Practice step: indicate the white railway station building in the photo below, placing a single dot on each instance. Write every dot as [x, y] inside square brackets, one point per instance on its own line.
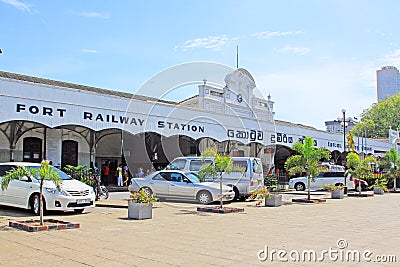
[72, 124]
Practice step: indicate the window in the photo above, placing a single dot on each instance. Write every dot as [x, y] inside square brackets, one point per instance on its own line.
[176, 177]
[178, 164]
[195, 165]
[257, 166]
[331, 174]
[161, 177]
[240, 163]
[32, 147]
[69, 154]
[4, 169]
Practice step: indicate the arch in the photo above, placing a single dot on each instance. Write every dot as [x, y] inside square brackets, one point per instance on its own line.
[282, 153]
[336, 156]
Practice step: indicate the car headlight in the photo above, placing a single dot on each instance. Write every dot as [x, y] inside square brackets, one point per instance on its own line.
[55, 191]
[91, 190]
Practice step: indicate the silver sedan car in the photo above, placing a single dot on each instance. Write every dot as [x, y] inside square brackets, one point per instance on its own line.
[181, 185]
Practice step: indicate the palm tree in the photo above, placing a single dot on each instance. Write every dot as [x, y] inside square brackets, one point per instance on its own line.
[393, 157]
[44, 172]
[307, 160]
[222, 164]
[359, 168]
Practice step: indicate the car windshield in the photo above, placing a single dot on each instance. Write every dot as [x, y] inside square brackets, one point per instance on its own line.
[192, 177]
[62, 174]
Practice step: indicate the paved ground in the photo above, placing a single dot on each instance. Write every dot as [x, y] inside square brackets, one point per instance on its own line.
[179, 236]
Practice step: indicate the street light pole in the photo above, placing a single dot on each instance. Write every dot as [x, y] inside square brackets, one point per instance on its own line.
[344, 145]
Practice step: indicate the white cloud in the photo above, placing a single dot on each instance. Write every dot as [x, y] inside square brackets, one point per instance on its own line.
[217, 42]
[317, 94]
[271, 34]
[295, 50]
[17, 4]
[88, 51]
[392, 58]
[95, 15]
[211, 42]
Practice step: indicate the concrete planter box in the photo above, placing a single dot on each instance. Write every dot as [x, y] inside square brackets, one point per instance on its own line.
[274, 200]
[338, 194]
[378, 190]
[139, 211]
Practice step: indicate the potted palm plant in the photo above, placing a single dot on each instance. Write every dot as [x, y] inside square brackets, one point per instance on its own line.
[380, 185]
[274, 199]
[140, 205]
[359, 168]
[337, 191]
[393, 157]
[307, 162]
[222, 164]
[263, 195]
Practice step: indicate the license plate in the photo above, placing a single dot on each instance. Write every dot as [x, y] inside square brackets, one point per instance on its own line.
[83, 201]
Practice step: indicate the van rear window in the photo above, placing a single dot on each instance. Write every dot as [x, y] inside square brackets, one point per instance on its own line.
[178, 164]
[240, 163]
[196, 164]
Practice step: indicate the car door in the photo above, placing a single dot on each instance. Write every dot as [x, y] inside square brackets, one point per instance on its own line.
[3, 170]
[17, 191]
[160, 184]
[318, 182]
[180, 186]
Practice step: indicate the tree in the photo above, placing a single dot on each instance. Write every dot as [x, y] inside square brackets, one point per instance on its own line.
[222, 164]
[44, 172]
[377, 120]
[393, 157]
[360, 168]
[307, 160]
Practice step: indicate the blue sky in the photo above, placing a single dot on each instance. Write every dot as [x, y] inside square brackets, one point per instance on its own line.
[314, 57]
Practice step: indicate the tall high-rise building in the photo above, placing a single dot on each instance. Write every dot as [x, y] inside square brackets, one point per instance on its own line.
[387, 82]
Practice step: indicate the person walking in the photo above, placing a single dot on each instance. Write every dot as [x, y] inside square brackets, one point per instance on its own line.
[119, 172]
[126, 174]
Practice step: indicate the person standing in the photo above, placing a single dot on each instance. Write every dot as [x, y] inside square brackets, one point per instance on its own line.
[119, 172]
[140, 173]
[126, 174]
[106, 173]
[96, 173]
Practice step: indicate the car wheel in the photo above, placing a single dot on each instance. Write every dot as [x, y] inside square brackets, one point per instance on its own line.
[299, 187]
[147, 191]
[78, 211]
[35, 204]
[204, 197]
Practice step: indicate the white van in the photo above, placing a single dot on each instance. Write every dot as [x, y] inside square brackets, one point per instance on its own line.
[243, 184]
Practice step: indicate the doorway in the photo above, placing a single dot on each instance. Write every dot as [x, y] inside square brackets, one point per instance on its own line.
[69, 153]
[32, 149]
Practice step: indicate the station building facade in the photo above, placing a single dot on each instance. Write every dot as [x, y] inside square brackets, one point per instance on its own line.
[72, 124]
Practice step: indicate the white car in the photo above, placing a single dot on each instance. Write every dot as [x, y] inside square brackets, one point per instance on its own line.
[181, 185]
[24, 193]
[324, 178]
